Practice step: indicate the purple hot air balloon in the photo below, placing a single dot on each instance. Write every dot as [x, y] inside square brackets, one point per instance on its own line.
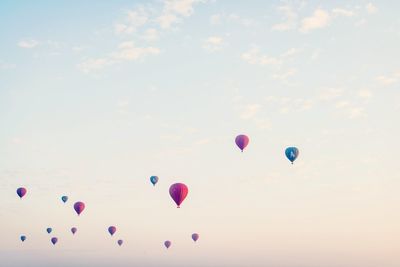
[79, 207]
[178, 192]
[21, 192]
[195, 237]
[112, 230]
[167, 244]
[54, 240]
[73, 230]
[120, 242]
[242, 141]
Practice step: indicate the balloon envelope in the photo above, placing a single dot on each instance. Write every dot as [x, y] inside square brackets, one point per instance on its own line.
[178, 192]
[21, 192]
[79, 207]
[64, 199]
[73, 230]
[112, 230]
[120, 242]
[54, 240]
[48, 230]
[154, 180]
[195, 237]
[292, 153]
[167, 244]
[23, 238]
[242, 141]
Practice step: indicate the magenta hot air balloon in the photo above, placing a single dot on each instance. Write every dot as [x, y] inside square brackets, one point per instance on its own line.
[79, 207]
[178, 192]
[73, 230]
[54, 240]
[112, 230]
[195, 237]
[167, 244]
[21, 192]
[242, 141]
[120, 242]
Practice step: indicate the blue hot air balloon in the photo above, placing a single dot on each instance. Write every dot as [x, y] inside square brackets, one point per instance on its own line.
[154, 180]
[23, 238]
[64, 198]
[49, 230]
[292, 153]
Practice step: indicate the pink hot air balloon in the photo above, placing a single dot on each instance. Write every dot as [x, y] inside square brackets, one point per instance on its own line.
[79, 207]
[21, 192]
[73, 230]
[112, 230]
[167, 244]
[54, 240]
[120, 242]
[242, 141]
[178, 193]
[195, 237]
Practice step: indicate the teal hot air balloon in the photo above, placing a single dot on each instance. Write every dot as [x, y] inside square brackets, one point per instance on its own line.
[154, 180]
[292, 153]
[64, 199]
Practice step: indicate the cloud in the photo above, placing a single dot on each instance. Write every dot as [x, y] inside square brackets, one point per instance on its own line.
[166, 20]
[134, 20]
[127, 51]
[213, 43]
[173, 10]
[320, 19]
[254, 56]
[151, 34]
[28, 43]
[389, 79]
[371, 8]
[365, 94]
[231, 18]
[330, 93]
[290, 19]
[342, 12]
[250, 111]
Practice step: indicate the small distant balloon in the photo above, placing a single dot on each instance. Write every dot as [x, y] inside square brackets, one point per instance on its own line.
[73, 230]
[64, 198]
[195, 237]
[242, 141]
[178, 192]
[292, 153]
[167, 244]
[23, 238]
[21, 192]
[154, 180]
[120, 242]
[49, 230]
[54, 240]
[112, 230]
[79, 207]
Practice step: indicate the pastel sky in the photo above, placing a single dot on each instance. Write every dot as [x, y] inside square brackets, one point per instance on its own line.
[97, 96]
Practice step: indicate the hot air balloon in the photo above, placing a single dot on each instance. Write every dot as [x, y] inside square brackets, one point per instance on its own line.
[73, 230]
[242, 141]
[167, 244]
[292, 153]
[154, 180]
[64, 198]
[195, 237]
[21, 192]
[120, 242]
[112, 230]
[23, 238]
[79, 207]
[54, 240]
[178, 192]
[49, 230]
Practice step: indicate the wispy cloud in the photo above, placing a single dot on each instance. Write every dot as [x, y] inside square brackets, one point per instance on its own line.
[289, 19]
[231, 18]
[318, 20]
[371, 8]
[250, 111]
[254, 56]
[213, 43]
[31, 43]
[389, 79]
[342, 12]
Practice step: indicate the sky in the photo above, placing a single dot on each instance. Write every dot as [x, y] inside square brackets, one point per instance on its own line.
[97, 96]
